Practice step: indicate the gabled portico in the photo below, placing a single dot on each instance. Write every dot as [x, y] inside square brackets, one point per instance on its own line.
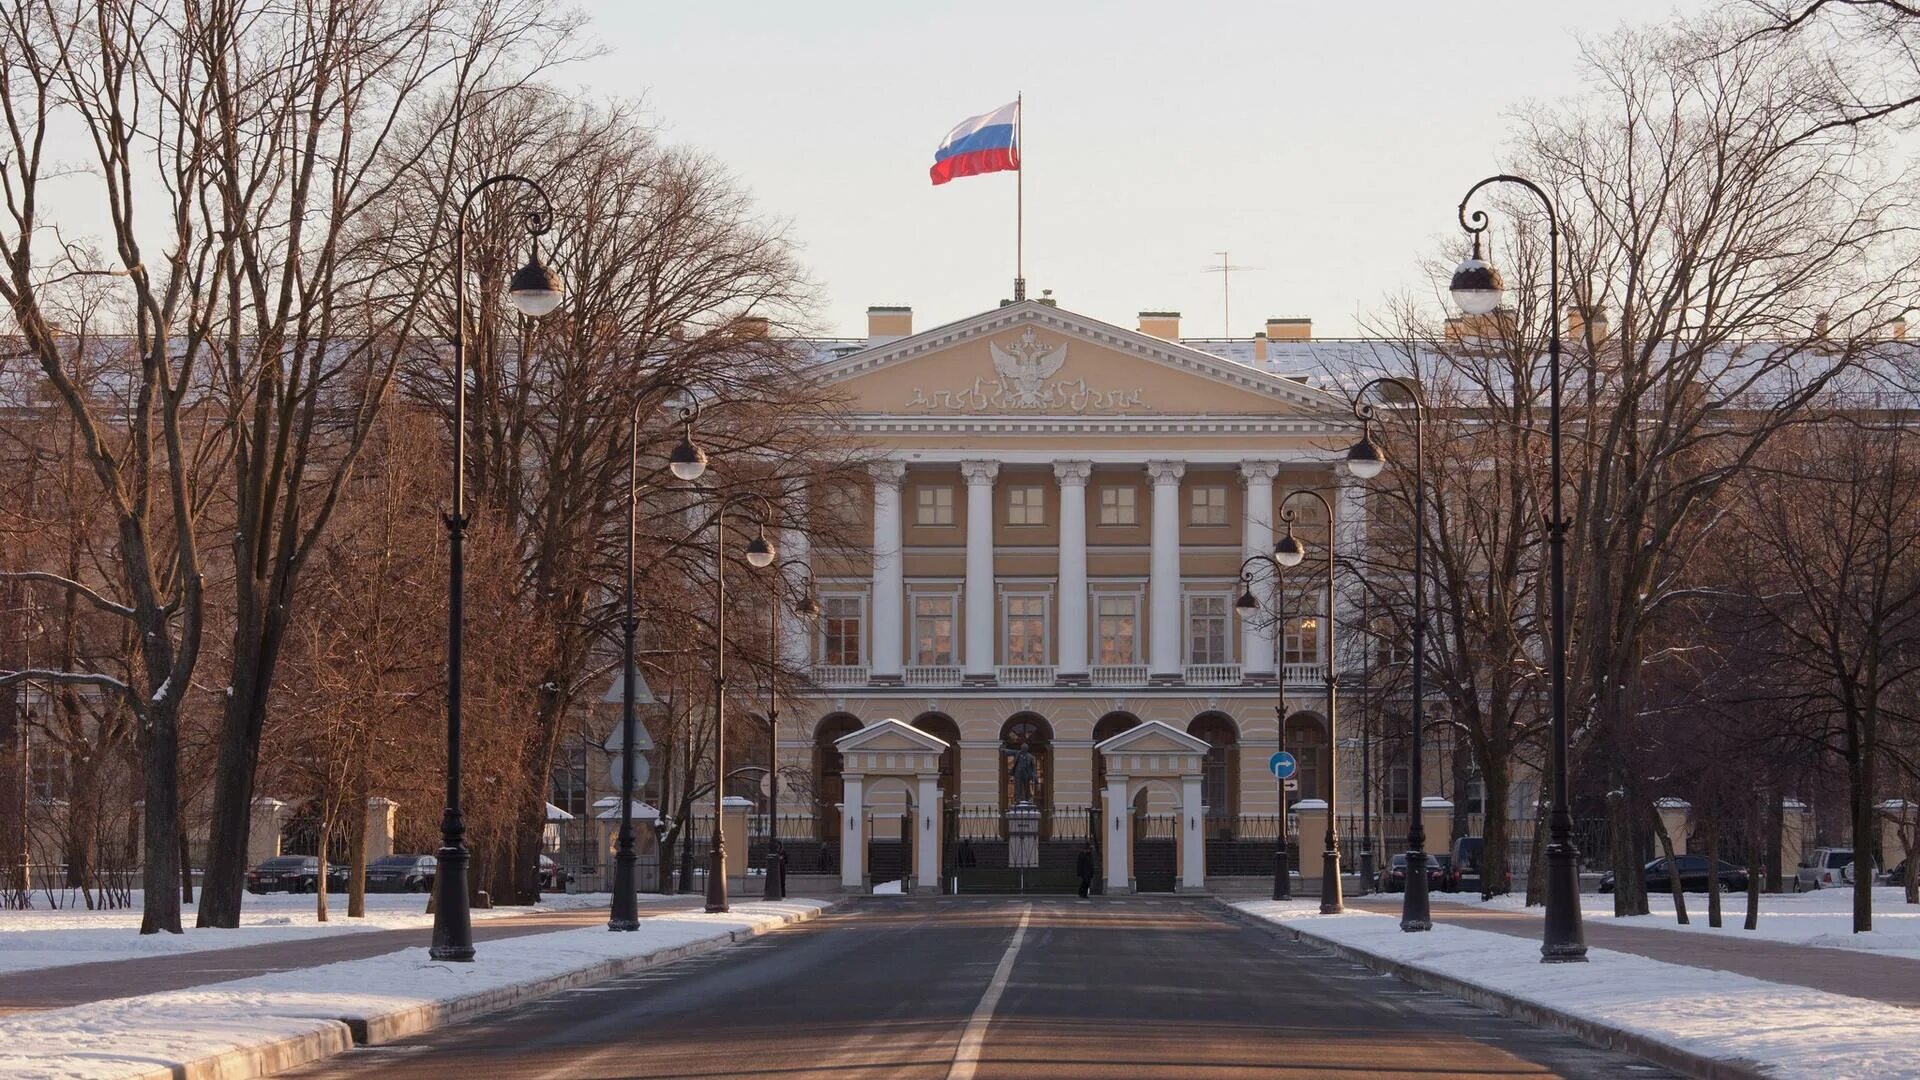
[882, 752]
[1153, 753]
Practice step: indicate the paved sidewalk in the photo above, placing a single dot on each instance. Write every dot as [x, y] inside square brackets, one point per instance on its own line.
[1891, 980]
[80, 984]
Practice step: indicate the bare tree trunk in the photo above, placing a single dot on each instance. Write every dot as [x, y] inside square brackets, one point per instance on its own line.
[1496, 875]
[1860, 794]
[320, 886]
[1713, 870]
[1775, 838]
[1673, 871]
[160, 765]
[186, 868]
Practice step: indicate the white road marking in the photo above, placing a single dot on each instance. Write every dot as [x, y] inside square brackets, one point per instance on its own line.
[967, 1058]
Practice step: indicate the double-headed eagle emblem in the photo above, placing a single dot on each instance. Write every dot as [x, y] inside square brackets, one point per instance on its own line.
[1025, 368]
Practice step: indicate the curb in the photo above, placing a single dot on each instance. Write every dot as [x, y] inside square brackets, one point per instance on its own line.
[338, 1034]
[1589, 1031]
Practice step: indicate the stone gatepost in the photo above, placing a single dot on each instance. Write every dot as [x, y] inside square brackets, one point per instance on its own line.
[380, 814]
[1796, 829]
[1436, 817]
[1677, 816]
[1895, 815]
[1310, 816]
[263, 830]
[734, 811]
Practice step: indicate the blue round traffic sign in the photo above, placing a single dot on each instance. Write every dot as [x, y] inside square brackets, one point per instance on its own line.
[1282, 766]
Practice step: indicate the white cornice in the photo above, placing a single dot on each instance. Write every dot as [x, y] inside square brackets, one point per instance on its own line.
[1030, 312]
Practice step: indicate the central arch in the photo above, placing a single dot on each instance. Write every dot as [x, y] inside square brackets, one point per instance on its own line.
[1033, 730]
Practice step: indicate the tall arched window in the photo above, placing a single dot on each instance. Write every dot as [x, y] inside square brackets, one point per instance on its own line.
[1110, 725]
[1036, 734]
[828, 787]
[1217, 787]
[942, 727]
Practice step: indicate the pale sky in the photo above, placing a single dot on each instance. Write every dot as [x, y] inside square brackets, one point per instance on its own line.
[1325, 144]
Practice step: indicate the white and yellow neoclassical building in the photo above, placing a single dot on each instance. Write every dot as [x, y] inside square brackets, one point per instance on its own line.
[1059, 511]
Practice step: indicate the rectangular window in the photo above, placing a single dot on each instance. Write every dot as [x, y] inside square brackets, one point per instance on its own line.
[933, 506]
[1390, 648]
[840, 631]
[570, 780]
[1026, 506]
[1208, 506]
[1116, 617]
[51, 770]
[1207, 630]
[1476, 793]
[1117, 506]
[846, 504]
[1303, 632]
[933, 631]
[1398, 788]
[1026, 621]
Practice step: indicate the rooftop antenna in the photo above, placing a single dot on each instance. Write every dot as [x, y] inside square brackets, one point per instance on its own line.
[1226, 270]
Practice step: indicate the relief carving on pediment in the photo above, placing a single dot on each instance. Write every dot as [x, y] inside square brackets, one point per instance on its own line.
[1026, 376]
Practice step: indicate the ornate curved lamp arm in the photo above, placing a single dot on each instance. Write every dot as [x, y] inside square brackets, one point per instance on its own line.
[1476, 222]
[538, 218]
[1363, 410]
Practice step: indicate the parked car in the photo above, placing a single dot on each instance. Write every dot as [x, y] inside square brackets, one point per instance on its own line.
[402, 873]
[294, 874]
[1693, 876]
[1823, 869]
[553, 876]
[1394, 877]
[1897, 875]
[1464, 865]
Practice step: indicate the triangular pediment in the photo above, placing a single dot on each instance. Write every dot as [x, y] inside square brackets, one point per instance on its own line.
[890, 735]
[1153, 737]
[1033, 359]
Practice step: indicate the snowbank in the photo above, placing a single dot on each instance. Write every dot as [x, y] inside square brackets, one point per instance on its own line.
[1738, 1022]
[252, 1027]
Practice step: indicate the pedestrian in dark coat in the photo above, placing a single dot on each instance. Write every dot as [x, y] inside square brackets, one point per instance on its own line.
[1085, 866]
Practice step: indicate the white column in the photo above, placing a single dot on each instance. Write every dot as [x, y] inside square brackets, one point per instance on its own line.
[1256, 633]
[1119, 845]
[889, 572]
[1163, 580]
[1071, 654]
[1193, 849]
[978, 658]
[796, 633]
[853, 837]
[926, 850]
[1349, 531]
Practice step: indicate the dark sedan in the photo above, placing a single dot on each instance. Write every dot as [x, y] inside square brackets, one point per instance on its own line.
[402, 873]
[295, 874]
[1693, 876]
[1394, 877]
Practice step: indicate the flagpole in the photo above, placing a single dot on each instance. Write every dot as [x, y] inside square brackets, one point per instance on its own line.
[1019, 198]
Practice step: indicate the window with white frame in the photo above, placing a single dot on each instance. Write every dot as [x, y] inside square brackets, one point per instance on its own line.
[933, 506]
[1026, 505]
[933, 630]
[845, 504]
[841, 630]
[1207, 505]
[1391, 649]
[1476, 790]
[1207, 622]
[51, 770]
[1399, 787]
[1116, 622]
[1117, 506]
[1026, 628]
[1302, 638]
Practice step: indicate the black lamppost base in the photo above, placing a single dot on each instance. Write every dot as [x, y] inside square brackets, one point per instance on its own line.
[776, 871]
[1282, 875]
[717, 874]
[1563, 941]
[1367, 870]
[1415, 913]
[1330, 901]
[452, 917]
[626, 906]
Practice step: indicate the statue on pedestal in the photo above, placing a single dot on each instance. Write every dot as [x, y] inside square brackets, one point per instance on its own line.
[1024, 772]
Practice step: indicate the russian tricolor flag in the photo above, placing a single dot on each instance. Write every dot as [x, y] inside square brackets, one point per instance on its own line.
[980, 144]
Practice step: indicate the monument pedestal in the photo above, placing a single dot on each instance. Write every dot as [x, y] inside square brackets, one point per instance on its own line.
[1023, 837]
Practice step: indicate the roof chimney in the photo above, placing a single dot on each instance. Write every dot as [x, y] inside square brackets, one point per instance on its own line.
[1289, 329]
[1260, 347]
[1164, 325]
[1900, 328]
[886, 324]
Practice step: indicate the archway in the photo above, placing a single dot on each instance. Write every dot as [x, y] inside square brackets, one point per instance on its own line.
[942, 727]
[1106, 728]
[881, 754]
[1219, 772]
[1142, 758]
[1307, 742]
[828, 765]
[1032, 730]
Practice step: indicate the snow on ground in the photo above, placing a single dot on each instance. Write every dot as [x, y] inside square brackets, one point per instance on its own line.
[1822, 918]
[135, 1036]
[1791, 1031]
[43, 938]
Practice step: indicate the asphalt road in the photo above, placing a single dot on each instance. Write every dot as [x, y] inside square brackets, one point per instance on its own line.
[990, 989]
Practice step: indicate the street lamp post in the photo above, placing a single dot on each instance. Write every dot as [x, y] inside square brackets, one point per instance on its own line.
[760, 554]
[534, 291]
[1289, 551]
[807, 608]
[1365, 462]
[1247, 605]
[625, 914]
[1476, 287]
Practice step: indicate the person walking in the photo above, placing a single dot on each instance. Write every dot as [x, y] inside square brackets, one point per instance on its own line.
[1085, 866]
